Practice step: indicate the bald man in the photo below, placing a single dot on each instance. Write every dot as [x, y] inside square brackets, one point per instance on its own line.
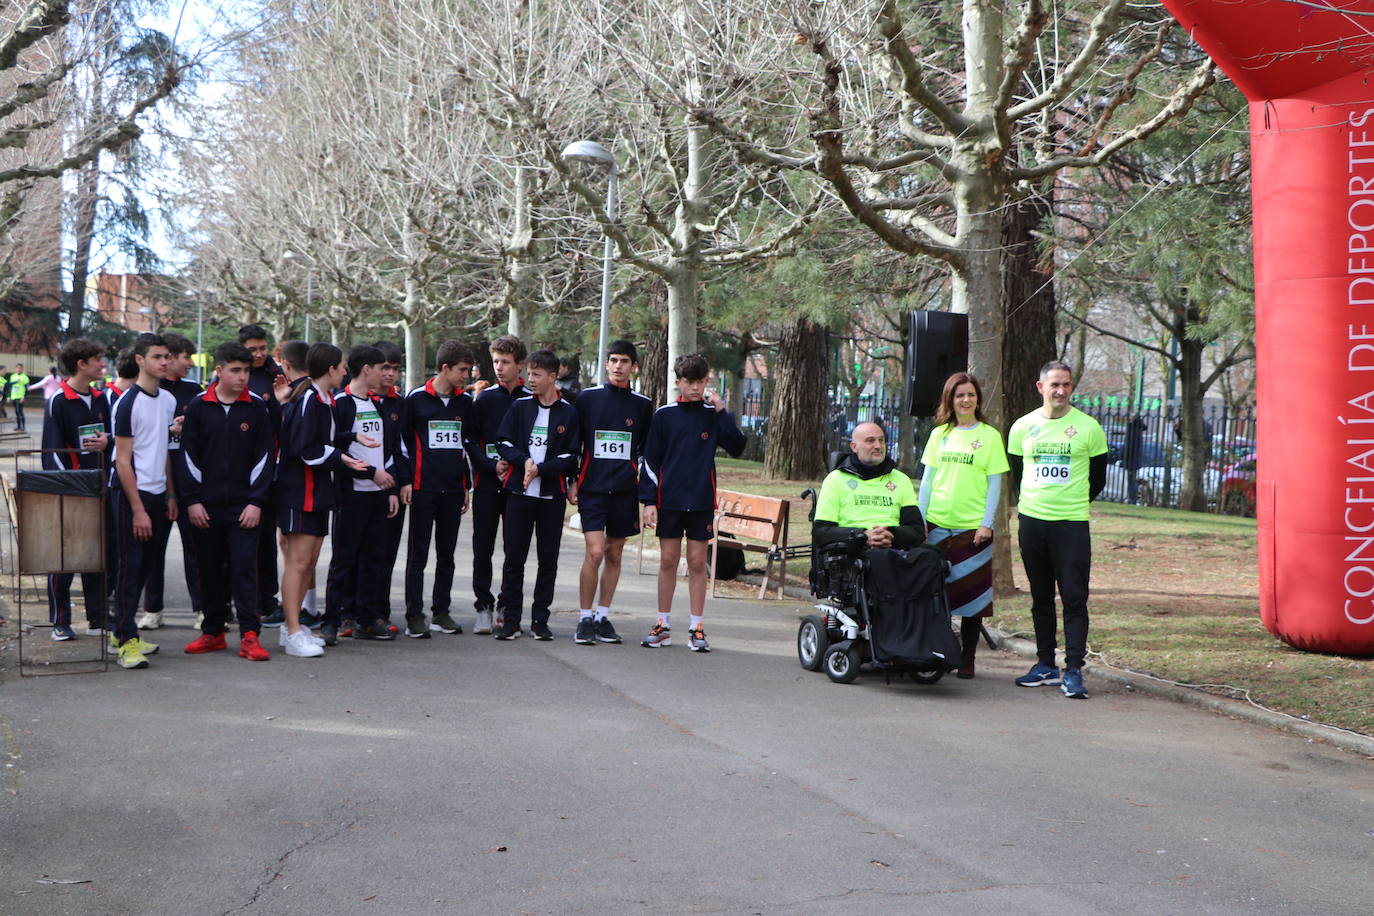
[866, 494]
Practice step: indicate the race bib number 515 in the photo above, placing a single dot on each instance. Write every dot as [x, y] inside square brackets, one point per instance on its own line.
[446, 434]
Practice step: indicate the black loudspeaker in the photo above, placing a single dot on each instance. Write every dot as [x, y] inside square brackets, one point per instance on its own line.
[937, 347]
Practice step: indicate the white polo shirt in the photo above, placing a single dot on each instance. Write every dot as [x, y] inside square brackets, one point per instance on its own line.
[145, 417]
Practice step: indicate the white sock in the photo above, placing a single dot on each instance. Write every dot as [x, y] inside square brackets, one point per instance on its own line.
[602, 612]
[663, 620]
[308, 604]
[696, 621]
[584, 613]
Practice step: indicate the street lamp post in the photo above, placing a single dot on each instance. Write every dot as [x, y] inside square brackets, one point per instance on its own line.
[591, 151]
[289, 255]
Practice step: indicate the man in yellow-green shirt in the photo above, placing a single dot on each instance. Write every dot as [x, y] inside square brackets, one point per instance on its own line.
[18, 390]
[1059, 454]
[867, 495]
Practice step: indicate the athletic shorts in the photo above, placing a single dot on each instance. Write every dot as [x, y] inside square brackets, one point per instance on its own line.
[294, 521]
[674, 523]
[617, 514]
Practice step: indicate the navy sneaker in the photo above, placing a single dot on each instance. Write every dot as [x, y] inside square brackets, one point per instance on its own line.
[605, 632]
[62, 633]
[1039, 676]
[586, 632]
[310, 620]
[1073, 684]
[540, 631]
[274, 619]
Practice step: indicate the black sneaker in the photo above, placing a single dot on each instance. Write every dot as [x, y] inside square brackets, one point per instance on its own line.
[586, 632]
[373, 629]
[509, 629]
[416, 627]
[274, 619]
[605, 632]
[310, 620]
[328, 632]
[540, 631]
[444, 624]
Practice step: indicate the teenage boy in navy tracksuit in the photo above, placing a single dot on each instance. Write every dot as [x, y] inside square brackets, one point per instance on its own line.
[393, 404]
[265, 380]
[508, 355]
[358, 586]
[224, 475]
[183, 390]
[434, 426]
[77, 418]
[614, 424]
[678, 489]
[539, 439]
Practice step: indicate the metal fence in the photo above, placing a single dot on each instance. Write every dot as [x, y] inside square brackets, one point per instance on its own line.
[1144, 442]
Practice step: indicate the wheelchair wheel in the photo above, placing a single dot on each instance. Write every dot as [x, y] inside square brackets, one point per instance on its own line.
[812, 641]
[842, 662]
[927, 677]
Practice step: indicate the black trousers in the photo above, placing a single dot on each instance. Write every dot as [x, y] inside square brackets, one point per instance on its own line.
[530, 518]
[439, 512]
[152, 592]
[359, 578]
[395, 533]
[60, 599]
[18, 405]
[488, 508]
[134, 558]
[1058, 553]
[268, 575]
[228, 568]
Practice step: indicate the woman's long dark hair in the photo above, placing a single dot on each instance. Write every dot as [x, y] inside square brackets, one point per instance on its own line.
[945, 415]
[319, 359]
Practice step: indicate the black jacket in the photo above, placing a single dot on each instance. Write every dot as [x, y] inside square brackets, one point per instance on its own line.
[345, 413]
[623, 417]
[680, 455]
[560, 456]
[66, 414]
[228, 456]
[488, 410]
[311, 450]
[438, 455]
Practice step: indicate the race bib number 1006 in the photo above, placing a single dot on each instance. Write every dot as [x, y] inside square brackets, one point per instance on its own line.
[1051, 469]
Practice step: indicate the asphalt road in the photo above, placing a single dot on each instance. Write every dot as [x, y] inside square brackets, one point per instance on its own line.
[463, 775]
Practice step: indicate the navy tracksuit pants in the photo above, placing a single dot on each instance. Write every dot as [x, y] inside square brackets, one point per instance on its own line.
[228, 568]
[527, 518]
[359, 579]
[134, 558]
[439, 513]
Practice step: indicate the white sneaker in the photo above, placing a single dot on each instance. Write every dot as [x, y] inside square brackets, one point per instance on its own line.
[301, 645]
[148, 620]
[200, 619]
[94, 631]
[282, 634]
[483, 626]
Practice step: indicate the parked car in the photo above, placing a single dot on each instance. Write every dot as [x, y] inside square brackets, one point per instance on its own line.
[1237, 492]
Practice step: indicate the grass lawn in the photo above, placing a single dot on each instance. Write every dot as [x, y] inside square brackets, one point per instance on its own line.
[1176, 595]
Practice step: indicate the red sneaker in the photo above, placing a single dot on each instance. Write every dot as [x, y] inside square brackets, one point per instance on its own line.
[251, 649]
[206, 643]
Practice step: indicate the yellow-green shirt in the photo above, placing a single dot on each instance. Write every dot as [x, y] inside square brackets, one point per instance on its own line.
[1054, 477]
[961, 461]
[852, 502]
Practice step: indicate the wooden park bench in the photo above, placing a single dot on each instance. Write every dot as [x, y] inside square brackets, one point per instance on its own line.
[752, 524]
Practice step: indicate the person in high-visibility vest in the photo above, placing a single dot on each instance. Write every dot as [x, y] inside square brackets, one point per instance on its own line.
[19, 389]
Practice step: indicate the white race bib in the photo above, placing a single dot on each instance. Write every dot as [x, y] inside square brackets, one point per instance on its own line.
[1050, 469]
[492, 453]
[370, 424]
[539, 437]
[85, 435]
[610, 443]
[446, 434]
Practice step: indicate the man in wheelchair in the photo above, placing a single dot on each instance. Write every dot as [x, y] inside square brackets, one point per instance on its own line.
[867, 557]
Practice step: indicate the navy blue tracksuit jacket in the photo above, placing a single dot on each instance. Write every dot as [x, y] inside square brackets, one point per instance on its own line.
[680, 455]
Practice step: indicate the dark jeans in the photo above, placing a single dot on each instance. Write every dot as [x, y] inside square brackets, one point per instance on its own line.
[488, 508]
[1058, 553]
[395, 533]
[529, 518]
[359, 580]
[134, 558]
[152, 593]
[228, 567]
[18, 405]
[440, 512]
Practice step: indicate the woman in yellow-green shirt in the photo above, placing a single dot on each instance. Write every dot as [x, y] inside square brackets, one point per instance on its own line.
[965, 462]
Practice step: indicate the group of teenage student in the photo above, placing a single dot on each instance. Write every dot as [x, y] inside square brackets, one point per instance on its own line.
[324, 444]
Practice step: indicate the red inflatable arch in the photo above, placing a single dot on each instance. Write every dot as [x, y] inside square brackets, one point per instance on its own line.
[1307, 68]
